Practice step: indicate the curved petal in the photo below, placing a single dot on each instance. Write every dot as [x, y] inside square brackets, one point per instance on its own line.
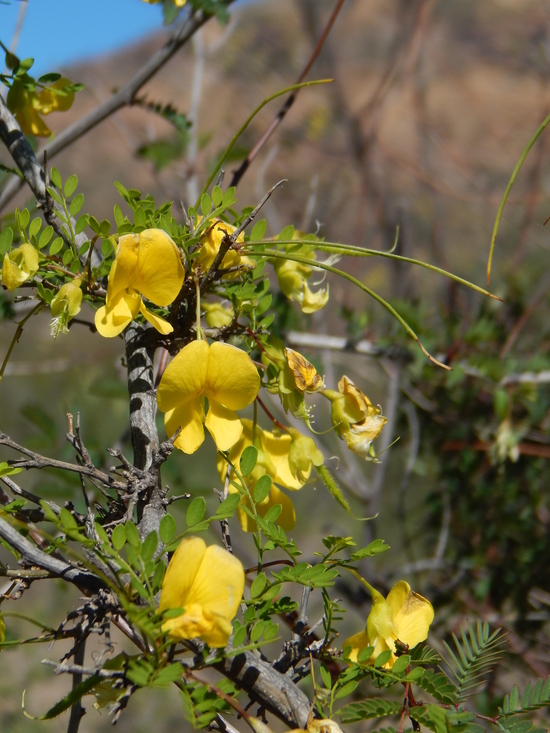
[232, 378]
[48, 101]
[413, 619]
[357, 642]
[397, 596]
[185, 376]
[278, 449]
[187, 416]
[219, 632]
[123, 271]
[223, 424]
[159, 323]
[219, 583]
[12, 276]
[181, 573]
[112, 319]
[160, 271]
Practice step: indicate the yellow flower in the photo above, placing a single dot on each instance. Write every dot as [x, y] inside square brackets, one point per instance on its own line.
[207, 583]
[19, 265]
[65, 305]
[293, 276]
[287, 459]
[148, 263]
[355, 418]
[27, 106]
[216, 316]
[223, 374]
[404, 615]
[211, 243]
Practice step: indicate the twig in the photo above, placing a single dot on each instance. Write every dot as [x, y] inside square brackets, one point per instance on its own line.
[77, 710]
[281, 114]
[31, 555]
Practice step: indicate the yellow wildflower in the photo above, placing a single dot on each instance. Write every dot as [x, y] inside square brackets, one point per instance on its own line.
[404, 615]
[146, 264]
[27, 106]
[211, 243]
[305, 375]
[293, 276]
[287, 459]
[355, 418]
[19, 265]
[65, 305]
[207, 583]
[223, 374]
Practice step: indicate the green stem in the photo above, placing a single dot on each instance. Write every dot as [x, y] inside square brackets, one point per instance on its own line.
[364, 288]
[247, 122]
[511, 182]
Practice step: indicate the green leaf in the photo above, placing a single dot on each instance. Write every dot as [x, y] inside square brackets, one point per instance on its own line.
[195, 511]
[132, 535]
[34, 227]
[258, 585]
[149, 546]
[67, 519]
[7, 470]
[167, 529]
[118, 537]
[45, 237]
[346, 690]
[56, 246]
[76, 204]
[206, 204]
[217, 196]
[258, 230]
[262, 488]
[273, 514]
[70, 186]
[248, 460]
[6, 238]
[81, 224]
[228, 505]
[382, 658]
[56, 178]
[401, 664]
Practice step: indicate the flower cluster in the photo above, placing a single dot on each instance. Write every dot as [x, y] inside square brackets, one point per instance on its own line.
[19, 265]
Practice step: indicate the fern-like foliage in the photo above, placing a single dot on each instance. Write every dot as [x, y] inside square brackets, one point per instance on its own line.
[476, 652]
[534, 697]
[372, 708]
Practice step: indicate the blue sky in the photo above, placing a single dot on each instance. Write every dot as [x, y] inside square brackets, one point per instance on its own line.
[56, 32]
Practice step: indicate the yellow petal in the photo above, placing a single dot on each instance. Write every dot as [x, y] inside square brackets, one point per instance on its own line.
[357, 642]
[413, 619]
[189, 417]
[159, 323]
[397, 596]
[232, 378]
[278, 448]
[69, 295]
[181, 572]
[48, 101]
[312, 302]
[219, 584]
[223, 424]
[112, 319]
[123, 271]
[185, 376]
[12, 276]
[160, 271]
